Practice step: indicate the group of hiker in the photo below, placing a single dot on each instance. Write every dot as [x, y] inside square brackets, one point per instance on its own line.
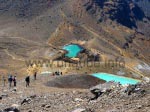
[57, 73]
[11, 80]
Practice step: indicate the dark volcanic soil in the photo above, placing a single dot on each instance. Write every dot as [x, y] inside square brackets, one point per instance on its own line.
[74, 81]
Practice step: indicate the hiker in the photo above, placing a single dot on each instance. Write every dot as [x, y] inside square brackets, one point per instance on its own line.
[56, 73]
[96, 92]
[61, 73]
[27, 79]
[15, 81]
[4, 81]
[35, 75]
[10, 80]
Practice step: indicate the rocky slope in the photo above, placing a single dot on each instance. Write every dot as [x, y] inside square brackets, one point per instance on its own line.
[144, 6]
[38, 98]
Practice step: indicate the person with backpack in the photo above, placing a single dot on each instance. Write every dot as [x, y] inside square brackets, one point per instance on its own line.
[10, 81]
[27, 79]
[15, 81]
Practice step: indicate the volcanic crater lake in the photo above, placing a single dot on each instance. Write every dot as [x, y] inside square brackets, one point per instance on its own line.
[73, 50]
[110, 77]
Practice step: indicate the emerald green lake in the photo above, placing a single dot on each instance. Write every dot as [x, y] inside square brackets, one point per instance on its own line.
[73, 50]
[110, 77]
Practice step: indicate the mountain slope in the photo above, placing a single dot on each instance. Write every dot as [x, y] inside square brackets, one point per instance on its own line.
[116, 28]
[144, 5]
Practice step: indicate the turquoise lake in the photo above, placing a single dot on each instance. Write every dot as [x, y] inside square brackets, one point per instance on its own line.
[110, 77]
[73, 50]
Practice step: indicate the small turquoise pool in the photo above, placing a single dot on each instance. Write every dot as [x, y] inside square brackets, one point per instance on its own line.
[73, 50]
[110, 77]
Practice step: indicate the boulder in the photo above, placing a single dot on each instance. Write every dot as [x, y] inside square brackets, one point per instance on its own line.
[27, 100]
[15, 106]
[146, 79]
[1, 97]
[4, 95]
[33, 96]
[78, 100]
[11, 109]
[79, 110]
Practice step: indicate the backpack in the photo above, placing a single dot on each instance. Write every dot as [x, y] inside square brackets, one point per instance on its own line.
[27, 78]
[10, 79]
